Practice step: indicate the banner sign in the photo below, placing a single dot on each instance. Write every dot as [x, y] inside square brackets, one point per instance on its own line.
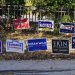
[60, 46]
[21, 23]
[73, 42]
[0, 46]
[37, 44]
[15, 46]
[44, 25]
[67, 28]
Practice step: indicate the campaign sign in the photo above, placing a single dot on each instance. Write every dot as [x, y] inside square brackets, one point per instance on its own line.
[67, 28]
[0, 46]
[73, 42]
[37, 44]
[21, 23]
[48, 25]
[60, 46]
[15, 46]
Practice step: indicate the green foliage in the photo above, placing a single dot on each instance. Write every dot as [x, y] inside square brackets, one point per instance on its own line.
[66, 18]
[56, 31]
[51, 6]
[14, 1]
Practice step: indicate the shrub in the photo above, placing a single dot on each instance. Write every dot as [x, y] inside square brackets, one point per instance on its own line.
[56, 31]
[66, 18]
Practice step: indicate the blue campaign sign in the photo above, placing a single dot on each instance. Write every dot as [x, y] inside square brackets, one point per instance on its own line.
[67, 28]
[45, 24]
[37, 44]
[73, 42]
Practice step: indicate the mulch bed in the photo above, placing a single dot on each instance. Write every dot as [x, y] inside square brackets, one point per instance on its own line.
[43, 55]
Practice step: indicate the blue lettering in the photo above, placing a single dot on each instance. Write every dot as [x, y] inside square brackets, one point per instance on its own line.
[15, 45]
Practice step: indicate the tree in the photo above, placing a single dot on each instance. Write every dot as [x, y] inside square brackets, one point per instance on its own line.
[51, 6]
[14, 1]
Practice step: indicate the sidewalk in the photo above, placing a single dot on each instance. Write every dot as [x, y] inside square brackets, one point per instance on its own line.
[41, 65]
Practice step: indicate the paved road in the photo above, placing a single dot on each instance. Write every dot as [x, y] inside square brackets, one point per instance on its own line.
[39, 67]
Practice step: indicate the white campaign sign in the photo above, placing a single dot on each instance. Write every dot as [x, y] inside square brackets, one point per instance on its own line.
[15, 46]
